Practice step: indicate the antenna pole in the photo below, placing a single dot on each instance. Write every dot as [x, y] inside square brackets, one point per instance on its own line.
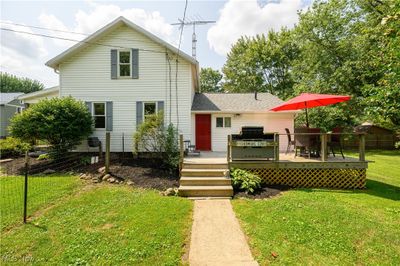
[182, 23]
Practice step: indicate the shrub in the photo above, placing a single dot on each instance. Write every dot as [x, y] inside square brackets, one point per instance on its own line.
[151, 136]
[44, 156]
[397, 145]
[245, 181]
[61, 122]
[13, 146]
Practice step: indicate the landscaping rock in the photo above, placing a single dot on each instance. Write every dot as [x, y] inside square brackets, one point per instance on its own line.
[106, 177]
[130, 183]
[82, 176]
[102, 170]
[111, 180]
[49, 171]
[171, 192]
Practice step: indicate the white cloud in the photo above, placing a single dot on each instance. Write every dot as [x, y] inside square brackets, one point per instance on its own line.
[238, 18]
[102, 14]
[25, 44]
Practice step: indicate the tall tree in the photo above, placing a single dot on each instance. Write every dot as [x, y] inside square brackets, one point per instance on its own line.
[262, 63]
[210, 80]
[11, 83]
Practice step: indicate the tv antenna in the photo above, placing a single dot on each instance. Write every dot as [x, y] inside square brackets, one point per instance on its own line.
[197, 21]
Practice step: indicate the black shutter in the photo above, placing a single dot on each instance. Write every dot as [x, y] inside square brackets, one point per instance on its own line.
[135, 63]
[139, 113]
[114, 64]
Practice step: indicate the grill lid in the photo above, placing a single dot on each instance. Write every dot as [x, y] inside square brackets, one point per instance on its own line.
[252, 132]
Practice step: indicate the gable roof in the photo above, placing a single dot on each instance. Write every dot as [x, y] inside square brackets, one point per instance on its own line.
[7, 97]
[234, 102]
[40, 93]
[54, 62]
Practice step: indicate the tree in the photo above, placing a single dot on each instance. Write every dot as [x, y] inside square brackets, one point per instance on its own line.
[210, 80]
[62, 122]
[11, 83]
[262, 63]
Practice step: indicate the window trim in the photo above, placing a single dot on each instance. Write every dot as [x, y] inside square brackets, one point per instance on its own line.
[223, 121]
[105, 116]
[143, 110]
[129, 64]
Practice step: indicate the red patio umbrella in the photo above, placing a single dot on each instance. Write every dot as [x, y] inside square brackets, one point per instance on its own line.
[310, 100]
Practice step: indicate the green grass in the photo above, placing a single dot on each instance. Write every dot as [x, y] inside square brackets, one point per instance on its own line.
[42, 191]
[106, 225]
[335, 227]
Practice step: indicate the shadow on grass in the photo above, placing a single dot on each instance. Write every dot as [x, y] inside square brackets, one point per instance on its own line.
[374, 188]
[383, 190]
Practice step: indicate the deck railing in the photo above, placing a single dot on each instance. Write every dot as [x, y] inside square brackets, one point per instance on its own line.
[324, 141]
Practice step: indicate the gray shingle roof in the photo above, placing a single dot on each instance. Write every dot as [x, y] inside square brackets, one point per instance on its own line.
[234, 102]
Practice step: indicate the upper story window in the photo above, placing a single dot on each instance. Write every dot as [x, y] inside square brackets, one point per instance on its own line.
[150, 108]
[99, 115]
[223, 122]
[124, 63]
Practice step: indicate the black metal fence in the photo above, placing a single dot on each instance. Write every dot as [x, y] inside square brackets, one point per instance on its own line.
[31, 183]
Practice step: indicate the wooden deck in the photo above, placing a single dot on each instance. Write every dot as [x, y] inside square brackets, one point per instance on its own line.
[334, 172]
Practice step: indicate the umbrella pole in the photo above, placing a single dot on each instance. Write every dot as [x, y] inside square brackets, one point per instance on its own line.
[307, 116]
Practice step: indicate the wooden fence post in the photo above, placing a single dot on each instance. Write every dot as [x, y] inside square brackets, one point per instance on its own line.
[361, 147]
[108, 140]
[228, 150]
[324, 147]
[277, 146]
[181, 152]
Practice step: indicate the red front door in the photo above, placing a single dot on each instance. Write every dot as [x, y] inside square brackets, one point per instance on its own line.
[203, 132]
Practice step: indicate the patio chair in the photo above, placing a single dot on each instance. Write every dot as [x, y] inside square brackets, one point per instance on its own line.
[290, 141]
[190, 149]
[336, 142]
[308, 144]
[301, 142]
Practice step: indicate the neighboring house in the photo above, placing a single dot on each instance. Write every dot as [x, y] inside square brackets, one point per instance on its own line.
[34, 97]
[124, 73]
[9, 106]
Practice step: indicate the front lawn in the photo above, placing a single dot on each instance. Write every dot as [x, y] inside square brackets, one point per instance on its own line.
[104, 225]
[330, 227]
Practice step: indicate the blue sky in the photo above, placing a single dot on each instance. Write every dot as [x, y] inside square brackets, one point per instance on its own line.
[25, 55]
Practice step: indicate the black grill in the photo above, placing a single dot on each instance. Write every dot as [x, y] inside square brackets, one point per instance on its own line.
[253, 133]
[253, 144]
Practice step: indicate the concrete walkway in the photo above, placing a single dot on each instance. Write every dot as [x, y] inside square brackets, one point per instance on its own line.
[217, 238]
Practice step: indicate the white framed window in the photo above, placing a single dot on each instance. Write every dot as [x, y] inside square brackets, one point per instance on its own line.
[124, 63]
[223, 122]
[99, 115]
[149, 108]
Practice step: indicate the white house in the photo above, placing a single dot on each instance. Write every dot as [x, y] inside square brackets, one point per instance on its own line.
[123, 73]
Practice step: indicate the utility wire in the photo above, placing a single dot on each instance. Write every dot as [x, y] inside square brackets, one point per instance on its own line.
[77, 41]
[62, 31]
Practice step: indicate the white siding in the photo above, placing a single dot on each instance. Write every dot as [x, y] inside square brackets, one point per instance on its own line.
[270, 122]
[87, 77]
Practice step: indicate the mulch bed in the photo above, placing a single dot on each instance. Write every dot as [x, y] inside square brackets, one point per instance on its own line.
[264, 193]
[145, 173]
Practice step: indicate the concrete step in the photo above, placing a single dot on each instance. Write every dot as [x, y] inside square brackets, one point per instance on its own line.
[205, 166]
[206, 191]
[204, 172]
[205, 181]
